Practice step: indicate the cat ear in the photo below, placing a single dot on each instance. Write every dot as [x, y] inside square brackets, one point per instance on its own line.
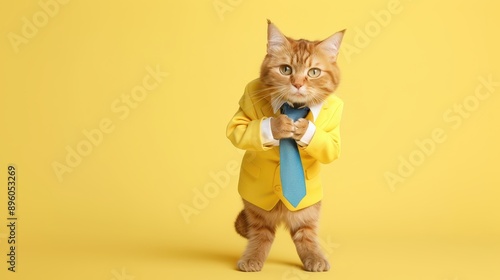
[275, 39]
[331, 45]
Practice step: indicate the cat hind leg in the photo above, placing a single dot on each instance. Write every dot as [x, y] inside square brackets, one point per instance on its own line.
[303, 225]
[260, 229]
[241, 224]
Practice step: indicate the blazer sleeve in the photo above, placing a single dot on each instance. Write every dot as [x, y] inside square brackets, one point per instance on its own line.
[244, 128]
[325, 144]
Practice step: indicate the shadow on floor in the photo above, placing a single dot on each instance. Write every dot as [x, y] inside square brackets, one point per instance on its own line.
[223, 258]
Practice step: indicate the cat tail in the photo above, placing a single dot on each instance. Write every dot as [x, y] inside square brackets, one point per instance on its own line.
[241, 224]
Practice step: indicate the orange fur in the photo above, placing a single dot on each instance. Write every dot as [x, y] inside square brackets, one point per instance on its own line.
[259, 226]
[301, 55]
[255, 224]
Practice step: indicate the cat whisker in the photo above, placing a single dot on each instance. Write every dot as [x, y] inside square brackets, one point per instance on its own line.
[264, 93]
[278, 93]
[277, 100]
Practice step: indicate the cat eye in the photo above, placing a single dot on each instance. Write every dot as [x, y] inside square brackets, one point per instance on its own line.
[314, 72]
[286, 70]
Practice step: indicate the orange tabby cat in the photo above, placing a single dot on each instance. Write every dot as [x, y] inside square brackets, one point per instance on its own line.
[303, 74]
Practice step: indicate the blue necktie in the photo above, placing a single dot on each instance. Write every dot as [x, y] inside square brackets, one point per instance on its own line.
[291, 171]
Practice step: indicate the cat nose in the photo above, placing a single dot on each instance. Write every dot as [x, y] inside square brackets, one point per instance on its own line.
[298, 85]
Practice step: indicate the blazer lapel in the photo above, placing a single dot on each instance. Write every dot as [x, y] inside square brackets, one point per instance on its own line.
[322, 113]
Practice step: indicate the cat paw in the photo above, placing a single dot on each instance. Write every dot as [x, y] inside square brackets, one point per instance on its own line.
[316, 264]
[250, 265]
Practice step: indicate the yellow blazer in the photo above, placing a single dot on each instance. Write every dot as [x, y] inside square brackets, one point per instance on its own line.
[260, 182]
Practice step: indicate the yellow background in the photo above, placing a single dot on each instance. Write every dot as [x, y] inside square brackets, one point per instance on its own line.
[116, 215]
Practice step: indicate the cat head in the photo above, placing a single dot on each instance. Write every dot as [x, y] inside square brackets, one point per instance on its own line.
[300, 71]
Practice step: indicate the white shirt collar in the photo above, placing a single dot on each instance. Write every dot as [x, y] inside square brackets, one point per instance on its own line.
[315, 109]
